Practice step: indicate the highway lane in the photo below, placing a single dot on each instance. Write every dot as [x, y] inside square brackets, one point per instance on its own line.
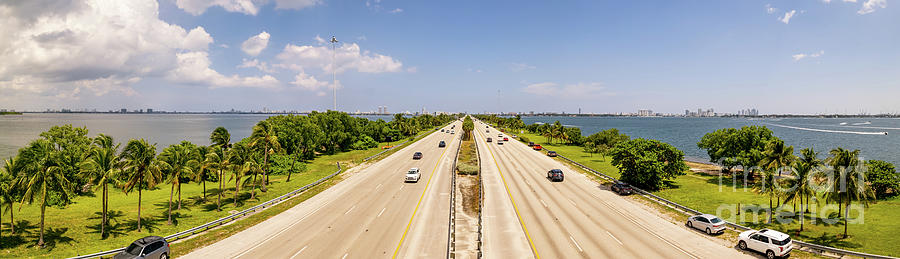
[364, 216]
[577, 218]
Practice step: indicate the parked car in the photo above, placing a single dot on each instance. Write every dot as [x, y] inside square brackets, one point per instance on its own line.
[773, 243]
[537, 147]
[530, 144]
[621, 188]
[442, 144]
[488, 139]
[514, 136]
[551, 153]
[151, 247]
[555, 175]
[417, 155]
[707, 222]
[412, 175]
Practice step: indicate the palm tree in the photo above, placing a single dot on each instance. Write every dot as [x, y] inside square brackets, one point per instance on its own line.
[221, 138]
[851, 182]
[203, 168]
[240, 160]
[10, 188]
[101, 167]
[141, 168]
[44, 175]
[264, 134]
[178, 162]
[776, 157]
[806, 167]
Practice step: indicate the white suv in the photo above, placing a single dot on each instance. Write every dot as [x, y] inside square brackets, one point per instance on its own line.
[772, 243]
[412, 175]
[706, 222]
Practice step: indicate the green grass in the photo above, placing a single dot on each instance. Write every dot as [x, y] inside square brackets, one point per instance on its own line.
[74, 229]
[467, 163]
[877, 235]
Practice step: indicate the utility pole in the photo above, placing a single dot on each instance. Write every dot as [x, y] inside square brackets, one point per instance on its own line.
[333, 77]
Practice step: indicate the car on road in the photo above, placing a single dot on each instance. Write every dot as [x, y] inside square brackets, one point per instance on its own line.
[489, 139]
[442, 130]
[151, 247]
[499, 142]
[530, 144]
[442, 144]
[412, 175]
[452, 132]
[551, 153]
[487, 131]
[621, 188]
[770, 242]
[537, 147]
[555, 175]
[708, 223]
[505, 139]
[417, 155]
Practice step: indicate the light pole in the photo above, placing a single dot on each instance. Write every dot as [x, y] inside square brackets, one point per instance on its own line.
[333, 81]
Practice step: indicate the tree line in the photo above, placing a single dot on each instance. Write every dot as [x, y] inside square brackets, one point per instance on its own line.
[784, 176]
[65, 163]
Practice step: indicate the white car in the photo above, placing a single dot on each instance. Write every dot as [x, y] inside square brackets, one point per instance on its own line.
[707, 222]
[452, 132]
[772, 243]
[412, 175]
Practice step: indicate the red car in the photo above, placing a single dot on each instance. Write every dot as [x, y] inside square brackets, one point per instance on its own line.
[505, 139]
[537, 147]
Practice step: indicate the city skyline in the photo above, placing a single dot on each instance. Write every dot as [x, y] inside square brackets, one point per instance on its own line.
[802, 57]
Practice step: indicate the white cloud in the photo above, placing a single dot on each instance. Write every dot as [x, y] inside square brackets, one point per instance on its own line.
[193, 68]
[579, 90]
[787, 16]
[397, 10]
[308, 82]
[249, 7]
[67, 49]
[255, 44]
[770, 9]
[520, 67]
[850, 1]
[255, 63]
[826, 1]
[347, 57]
[870, 6]
[798, 57]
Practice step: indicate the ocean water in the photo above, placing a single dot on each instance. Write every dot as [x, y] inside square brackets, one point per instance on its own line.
[163, 129]
[822, 134]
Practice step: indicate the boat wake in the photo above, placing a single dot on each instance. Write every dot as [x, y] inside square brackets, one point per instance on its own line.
[831, 131]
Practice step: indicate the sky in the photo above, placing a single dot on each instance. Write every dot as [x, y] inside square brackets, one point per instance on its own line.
[778, 56]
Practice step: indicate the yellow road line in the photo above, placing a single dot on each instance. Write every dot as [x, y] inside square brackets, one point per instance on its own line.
[420, 202]
[533, 249]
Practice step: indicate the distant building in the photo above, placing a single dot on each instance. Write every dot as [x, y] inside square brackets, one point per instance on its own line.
[149, 110]
[645, 112]
[123, 110]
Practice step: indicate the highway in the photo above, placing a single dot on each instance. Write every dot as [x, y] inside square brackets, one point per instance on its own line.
[372, 213]
[576, 218]
[365, 216]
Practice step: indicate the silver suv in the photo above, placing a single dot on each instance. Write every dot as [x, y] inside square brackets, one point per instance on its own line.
[151, 247]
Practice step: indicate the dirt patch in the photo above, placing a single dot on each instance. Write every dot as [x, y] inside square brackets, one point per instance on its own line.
[469, 192]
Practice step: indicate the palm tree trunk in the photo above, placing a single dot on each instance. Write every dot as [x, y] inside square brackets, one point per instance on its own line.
[103, 220]
[171, 193]
[1, 223]
[253, 187]
[12, 219]
[204, 187]
[801, 214]
[266, 164]
[139, 210]
[846, 215]
[219, 195]
[292, 167]
[237, 182]
[770, 209]
[43, 209]
[179, 196]
[807, 203]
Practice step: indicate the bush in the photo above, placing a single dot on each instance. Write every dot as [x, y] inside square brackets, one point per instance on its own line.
[365, 142]
[467, 169]
[523, 139]
[648, 163]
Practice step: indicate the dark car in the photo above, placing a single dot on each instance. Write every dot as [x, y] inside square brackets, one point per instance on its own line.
[621, 188]
[417, 155]
[151, 247]
[442, 144]
[489, 139]
[530, 144]
[499, 142]
[551, 153]
[555, 175]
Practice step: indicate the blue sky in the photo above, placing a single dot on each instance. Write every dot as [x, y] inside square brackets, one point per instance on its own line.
[474, 56]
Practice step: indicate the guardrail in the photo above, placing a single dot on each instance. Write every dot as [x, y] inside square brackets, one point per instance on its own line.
[480, 200]
[734, 227]
[223, 220]
[451, 235]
